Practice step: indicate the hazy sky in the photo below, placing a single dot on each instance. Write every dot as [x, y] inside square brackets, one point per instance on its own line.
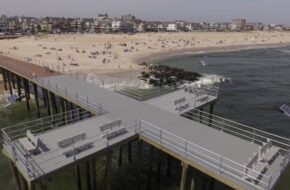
[267, 11]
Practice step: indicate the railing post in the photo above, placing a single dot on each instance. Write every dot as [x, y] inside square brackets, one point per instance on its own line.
[253, 136]
[185, 149]
[136, 127]
[221, 163]
[100, 108]
[222, 127]
[107, 139]
[73, 145]
[269, 182]
[87, 101]
[160, 136]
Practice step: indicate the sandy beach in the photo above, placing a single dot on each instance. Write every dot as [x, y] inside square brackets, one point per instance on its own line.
[106, 54]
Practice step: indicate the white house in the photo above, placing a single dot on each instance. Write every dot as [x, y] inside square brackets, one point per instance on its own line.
[172, 27]
[122, 26]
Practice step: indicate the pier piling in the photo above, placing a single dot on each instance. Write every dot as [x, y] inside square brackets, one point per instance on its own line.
[183, 175]
[108, 170]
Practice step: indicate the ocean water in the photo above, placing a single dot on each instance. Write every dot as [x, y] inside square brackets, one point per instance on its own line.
[259, 84]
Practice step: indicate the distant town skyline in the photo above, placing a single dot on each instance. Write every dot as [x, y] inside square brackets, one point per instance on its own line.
[266, 11]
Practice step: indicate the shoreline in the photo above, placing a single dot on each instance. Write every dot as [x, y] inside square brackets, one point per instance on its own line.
[151, 59]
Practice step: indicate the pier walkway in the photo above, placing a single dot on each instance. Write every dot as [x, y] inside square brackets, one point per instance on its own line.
[227, 151]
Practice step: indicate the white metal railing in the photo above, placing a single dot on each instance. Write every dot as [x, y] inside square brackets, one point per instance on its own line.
[144, 94]
[237, 129]
[86, 102]
[189, 150]
[44, 125]
[12, 134]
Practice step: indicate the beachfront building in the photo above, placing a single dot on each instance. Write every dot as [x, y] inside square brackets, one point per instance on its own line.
[142, 27]
[129, 18]
[238, 24]
[172, 27]
[104, 23]
[122, 26]
[180, 25]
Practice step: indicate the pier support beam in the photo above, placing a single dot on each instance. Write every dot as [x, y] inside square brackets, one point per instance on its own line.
[94, 176]
[15, 175]
[183, 176]
[88, 175]
[36, 99]
[9, 82]
[12, 76]
[31, 186]
[63, 110]
[158, 168]
[4, 79]
[130, 152]
[80, 114]
[23, 182]
[49, 103]
[78, 176]
[43, 185]
[210, 183]
[108, 170]
[44, 97]
[26, 92]
[53, 102]
[139, 164]
[18, 81]
[192, 181]
[168, 167]
[120, 156]
[149, 177]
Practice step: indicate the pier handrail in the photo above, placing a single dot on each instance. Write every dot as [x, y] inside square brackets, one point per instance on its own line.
[238, 129]
[145, 94]
[222, 164]
[33, 168]
[50, 122]
[74, 97]
[8, 133]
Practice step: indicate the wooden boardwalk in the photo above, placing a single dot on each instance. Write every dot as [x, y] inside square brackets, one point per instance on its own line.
[26, 69]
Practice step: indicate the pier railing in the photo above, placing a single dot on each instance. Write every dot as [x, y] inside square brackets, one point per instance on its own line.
[237, 129]
[12, 134]
[144, 94]
[34, 169]
[217, 163]
[86, 102]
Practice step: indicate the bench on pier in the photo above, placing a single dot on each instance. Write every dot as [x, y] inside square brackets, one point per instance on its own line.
[70, 141]
[254, 169]
[268, 152]
[29, 143]
[78, 150]
[115, 133]
[111, 125]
